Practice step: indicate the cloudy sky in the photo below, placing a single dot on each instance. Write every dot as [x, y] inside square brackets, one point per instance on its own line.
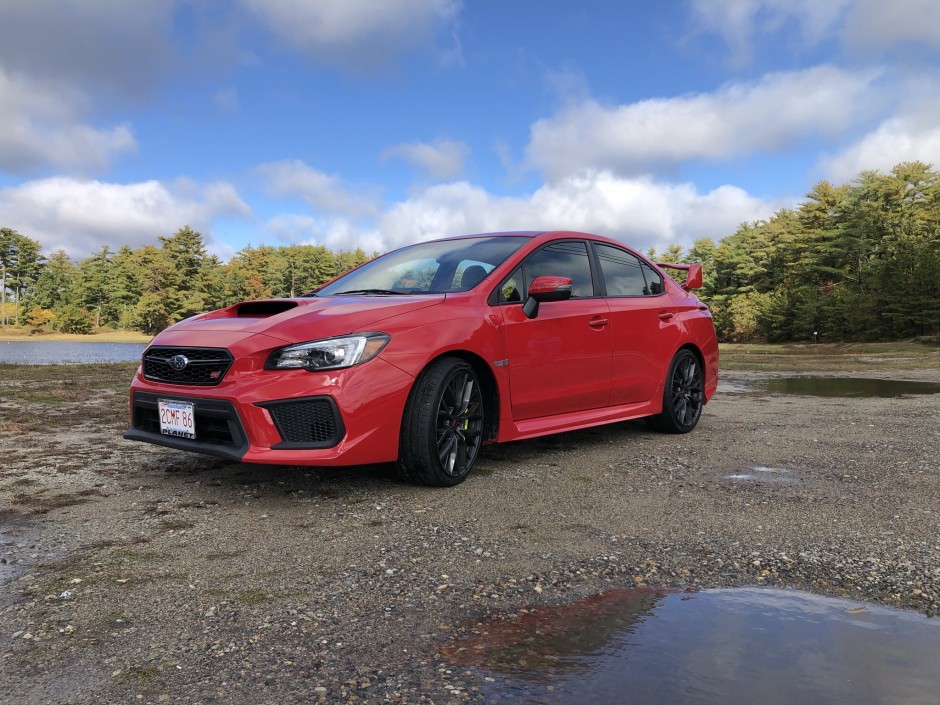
[377, 123]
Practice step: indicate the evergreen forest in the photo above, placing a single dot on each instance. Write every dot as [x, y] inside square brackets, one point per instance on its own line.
[860, 261]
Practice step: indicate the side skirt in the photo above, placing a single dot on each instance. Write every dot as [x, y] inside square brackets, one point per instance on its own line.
[572, 421]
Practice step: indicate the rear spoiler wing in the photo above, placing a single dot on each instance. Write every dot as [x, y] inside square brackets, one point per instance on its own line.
[693, 278]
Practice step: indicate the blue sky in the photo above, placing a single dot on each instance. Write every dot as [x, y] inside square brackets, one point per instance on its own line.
[377, 123]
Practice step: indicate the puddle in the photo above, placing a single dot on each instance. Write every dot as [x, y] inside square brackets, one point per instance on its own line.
[761, 473]
[728, 646]
[848, 387]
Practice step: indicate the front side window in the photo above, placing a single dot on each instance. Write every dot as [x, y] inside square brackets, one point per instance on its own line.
[562, 259]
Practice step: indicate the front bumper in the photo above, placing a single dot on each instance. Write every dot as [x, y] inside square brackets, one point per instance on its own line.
[284, 417]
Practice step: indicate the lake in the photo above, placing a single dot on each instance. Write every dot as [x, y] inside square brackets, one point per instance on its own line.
[44, 352]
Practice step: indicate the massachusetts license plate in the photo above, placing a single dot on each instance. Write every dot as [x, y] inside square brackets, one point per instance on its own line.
[176, 418]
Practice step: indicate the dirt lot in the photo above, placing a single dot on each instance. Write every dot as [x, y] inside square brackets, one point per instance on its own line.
[133, 573]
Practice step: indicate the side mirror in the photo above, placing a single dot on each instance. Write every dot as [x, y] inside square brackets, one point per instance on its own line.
[546, 288]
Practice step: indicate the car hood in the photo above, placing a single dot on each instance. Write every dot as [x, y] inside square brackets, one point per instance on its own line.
[294, 320]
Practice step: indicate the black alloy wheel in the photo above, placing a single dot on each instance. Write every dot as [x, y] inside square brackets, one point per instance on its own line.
[683, 396]
[442, 429]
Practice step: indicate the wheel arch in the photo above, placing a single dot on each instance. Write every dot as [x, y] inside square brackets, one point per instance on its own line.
[487, 381]
[689, 345]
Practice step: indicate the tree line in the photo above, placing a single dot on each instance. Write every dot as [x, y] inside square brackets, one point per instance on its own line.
[150, 287]
[859, 261]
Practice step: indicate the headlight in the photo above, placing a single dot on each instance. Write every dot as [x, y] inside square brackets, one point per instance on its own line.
[329, 354]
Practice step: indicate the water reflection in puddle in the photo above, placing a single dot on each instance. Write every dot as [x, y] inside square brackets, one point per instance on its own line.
[848, 387]
[728, 646]
[761, 473]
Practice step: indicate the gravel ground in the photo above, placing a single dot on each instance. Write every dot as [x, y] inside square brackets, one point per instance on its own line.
[133, 573]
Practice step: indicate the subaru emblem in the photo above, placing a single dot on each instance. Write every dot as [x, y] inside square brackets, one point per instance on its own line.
[178, 362]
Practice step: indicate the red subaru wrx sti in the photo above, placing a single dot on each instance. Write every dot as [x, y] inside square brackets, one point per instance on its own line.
[422, 355]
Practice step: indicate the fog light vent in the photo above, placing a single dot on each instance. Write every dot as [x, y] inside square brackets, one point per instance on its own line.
[311, 423]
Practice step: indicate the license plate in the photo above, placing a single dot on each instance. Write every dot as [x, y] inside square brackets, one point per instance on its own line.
[176, 418]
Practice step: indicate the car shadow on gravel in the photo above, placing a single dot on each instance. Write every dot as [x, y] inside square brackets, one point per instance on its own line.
[338, 482]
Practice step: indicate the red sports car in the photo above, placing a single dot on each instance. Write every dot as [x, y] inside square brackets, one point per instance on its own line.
[422, 355]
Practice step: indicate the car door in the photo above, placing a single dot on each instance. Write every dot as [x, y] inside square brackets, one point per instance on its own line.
[559, 361]
[644, 327]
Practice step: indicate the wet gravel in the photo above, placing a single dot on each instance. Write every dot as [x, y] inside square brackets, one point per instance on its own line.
[141, 574]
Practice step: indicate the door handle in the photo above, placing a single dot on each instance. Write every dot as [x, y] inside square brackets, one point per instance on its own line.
[598, 322]
[666, 315]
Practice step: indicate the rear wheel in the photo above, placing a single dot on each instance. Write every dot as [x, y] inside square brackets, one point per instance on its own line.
[683, 396]
[442, 429]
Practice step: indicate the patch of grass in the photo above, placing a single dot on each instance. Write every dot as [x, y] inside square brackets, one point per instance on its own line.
[582, 478]
[846, 357]
[62, 395]
[483, 471]
[101, 374]
[255, 597]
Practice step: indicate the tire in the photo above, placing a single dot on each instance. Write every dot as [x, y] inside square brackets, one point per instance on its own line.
[442, 429]
[683, 395]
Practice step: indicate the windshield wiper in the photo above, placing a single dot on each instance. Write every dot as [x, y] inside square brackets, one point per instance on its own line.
[369, 292]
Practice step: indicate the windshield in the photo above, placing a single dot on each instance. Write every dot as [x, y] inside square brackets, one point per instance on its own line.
[435, 267]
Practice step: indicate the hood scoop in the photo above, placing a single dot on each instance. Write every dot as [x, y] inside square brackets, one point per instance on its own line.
[263, 309]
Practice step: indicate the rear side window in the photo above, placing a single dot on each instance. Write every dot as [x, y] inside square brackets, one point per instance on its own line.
[654, 280]
[563, 259]
[621, 271]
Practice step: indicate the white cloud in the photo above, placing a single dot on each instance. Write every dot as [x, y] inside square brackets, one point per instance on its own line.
[119, 45]
[80, 216]
[896, 140]
[865, 27]
[41, 125]
[358, 35]
[738, 119]
[741, 22]
[640, 211]
[909, 132]
[320, 191]
[878, 25]
[336, 233]
[442, 159]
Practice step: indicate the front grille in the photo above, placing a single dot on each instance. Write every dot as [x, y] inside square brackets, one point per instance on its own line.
[204, 367]
[310, 423]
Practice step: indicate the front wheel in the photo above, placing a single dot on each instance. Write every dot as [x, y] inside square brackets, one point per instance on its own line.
[442, 429]
[683, 396]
